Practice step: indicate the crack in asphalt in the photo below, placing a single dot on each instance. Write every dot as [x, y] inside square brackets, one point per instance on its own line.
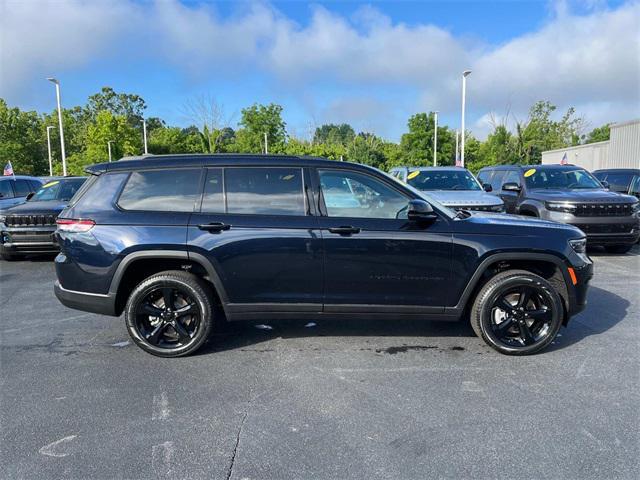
[235, 448]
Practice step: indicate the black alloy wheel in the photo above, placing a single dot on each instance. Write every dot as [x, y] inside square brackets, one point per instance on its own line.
[170, 314]
[517, 313]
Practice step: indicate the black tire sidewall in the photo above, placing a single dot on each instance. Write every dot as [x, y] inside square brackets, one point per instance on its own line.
[488, 297]
[194, 289]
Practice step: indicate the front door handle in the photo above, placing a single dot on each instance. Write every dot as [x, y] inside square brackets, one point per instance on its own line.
[214, 227]
[344, 230]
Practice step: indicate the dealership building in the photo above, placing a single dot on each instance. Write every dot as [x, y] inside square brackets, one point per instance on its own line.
[622, 150]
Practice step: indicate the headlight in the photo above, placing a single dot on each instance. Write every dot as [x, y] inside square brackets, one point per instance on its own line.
[579, 245]
[560, 207]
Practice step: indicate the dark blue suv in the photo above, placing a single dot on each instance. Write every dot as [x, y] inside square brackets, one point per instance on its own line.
[173, 240]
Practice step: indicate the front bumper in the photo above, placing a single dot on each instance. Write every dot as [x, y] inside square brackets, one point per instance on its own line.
[578, 291]
[40, 239]
[601, 230]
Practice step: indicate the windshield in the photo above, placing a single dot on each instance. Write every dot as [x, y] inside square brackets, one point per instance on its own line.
[61, 190]
[435, 203]
[547, 178]
[442, 180]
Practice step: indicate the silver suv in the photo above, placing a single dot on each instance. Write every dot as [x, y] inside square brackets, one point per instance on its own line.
[455, 187]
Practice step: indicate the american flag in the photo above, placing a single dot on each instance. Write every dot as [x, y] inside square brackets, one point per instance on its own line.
[564, 160]
[8, 170]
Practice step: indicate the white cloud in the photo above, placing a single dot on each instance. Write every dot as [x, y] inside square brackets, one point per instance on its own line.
[589, 60]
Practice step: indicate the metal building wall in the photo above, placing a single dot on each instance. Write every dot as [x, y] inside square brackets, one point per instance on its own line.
[591, 156]
[624, 149]
[621, 151]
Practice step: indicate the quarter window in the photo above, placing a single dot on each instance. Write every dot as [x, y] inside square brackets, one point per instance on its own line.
[161, 190]
[264, 191]
[350, 194]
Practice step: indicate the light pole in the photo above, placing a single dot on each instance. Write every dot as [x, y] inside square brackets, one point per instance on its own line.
[457, 149]
[49, 150]
[63, 155]
[109, 148]
[435, 138]
[144, 135]
[266, 144]
[464, 94]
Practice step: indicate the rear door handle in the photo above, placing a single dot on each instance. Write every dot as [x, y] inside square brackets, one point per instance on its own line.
[344, 230]
[214, 227]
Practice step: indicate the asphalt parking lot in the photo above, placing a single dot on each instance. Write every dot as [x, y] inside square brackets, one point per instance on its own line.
[334, 400]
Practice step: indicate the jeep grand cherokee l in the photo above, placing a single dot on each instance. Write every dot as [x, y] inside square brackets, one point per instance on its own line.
[164, 239]
[568, 194]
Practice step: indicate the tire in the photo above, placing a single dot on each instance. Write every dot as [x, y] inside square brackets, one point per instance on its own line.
[508, 328]
[174, 330]
[617, 248]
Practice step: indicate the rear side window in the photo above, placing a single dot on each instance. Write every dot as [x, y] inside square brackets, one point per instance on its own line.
[5, 189]
[264, 191]
[161, 190]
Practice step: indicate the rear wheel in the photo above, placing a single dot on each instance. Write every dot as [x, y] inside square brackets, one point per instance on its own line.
[617, 248]
[170, 314]
[517, 313]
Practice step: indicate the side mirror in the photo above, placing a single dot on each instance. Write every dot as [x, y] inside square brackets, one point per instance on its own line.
[605, 184]
[419, 210]
[511, 187]
[30, 196]
[487, 187]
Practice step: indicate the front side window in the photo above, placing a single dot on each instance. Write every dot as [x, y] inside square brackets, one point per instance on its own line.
[552, 178]
[351, 194]
[23, 188]
[511, 177]
[264, 191]
[496, 180]
[5, 189]
[619, 182]
[161, 190]
[483, 177]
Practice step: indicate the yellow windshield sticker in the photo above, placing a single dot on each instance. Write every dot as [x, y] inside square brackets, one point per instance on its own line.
[50, 184]
[529, 172]
[413, 174]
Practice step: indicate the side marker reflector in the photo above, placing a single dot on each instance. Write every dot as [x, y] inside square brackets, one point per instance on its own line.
[572, 274]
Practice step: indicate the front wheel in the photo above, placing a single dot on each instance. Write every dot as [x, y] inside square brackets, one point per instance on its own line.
[620, 249]
[517, 313]
[170, 314]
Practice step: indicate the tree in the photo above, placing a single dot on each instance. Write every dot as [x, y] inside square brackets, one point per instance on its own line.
[367, 149]
[21, 141]
[599, 134]
[329, 133]
[128, 105]
[417, 145]
[257, 121]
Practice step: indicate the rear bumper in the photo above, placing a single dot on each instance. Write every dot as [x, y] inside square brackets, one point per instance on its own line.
[89, 302]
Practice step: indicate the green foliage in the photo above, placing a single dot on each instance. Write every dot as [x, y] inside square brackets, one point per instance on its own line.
[334, 134]
[112, 116]
[255, 122]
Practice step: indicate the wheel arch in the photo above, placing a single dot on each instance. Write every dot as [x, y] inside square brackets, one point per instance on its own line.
[137, 266]
[548, 266]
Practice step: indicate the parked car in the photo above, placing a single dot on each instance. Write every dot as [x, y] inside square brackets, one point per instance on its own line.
[164, 239]
[15, 190]
[568, 194]
[621, 180]
[29, 227]
[455, 187]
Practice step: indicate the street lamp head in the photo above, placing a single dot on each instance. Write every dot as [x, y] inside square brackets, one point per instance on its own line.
[50, 127]
[466, 72]
[54, 80]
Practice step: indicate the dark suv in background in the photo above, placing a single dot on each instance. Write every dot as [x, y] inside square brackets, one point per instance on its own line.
[621, 180]
[568, 194]
[177, 242]
[30, 226]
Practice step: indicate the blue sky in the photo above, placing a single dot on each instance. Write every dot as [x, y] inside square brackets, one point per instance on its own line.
[370, 64]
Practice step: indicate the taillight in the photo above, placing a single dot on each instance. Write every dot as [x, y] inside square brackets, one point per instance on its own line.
[76, 225]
